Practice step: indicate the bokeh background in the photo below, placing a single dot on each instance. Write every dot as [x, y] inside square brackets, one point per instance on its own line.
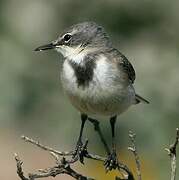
[32, 101]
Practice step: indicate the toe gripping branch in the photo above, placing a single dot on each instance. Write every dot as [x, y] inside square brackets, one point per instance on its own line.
[64, 160]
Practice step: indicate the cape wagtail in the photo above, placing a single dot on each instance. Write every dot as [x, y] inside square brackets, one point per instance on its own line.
[97, 78]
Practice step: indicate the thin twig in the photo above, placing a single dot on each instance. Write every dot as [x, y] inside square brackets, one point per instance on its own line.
[19, 168]
[46, 148]
[133, 149]
[172, 153]
[62, 168]
[60, 153]
[128, 175]
[63, 165]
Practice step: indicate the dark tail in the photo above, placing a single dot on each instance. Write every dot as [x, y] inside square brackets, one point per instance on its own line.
[140, 99]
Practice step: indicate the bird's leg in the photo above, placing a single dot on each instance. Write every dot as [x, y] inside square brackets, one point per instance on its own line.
[83, 120]
[113, 122]
[98, 129]
[112, 162]
[80, 150]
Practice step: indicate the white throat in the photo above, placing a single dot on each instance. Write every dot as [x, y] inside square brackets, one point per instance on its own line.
[75, 54]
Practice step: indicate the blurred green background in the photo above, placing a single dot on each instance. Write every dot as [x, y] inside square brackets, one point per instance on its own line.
[32, 101]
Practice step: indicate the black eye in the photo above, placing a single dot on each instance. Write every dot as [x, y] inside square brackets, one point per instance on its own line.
[67, 37]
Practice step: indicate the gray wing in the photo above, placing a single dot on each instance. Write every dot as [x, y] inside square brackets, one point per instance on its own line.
[128, 68]
[123, 64]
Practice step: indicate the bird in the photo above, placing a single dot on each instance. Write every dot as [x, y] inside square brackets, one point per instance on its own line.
[97, 78]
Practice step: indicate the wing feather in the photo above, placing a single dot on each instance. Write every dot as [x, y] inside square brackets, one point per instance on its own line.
[128, 68]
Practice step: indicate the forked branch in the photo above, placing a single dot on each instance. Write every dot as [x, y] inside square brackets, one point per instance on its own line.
[63, 165]
[64, 160]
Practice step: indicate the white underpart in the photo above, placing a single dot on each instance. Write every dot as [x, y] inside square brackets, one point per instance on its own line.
[103, 71]
[104, 96]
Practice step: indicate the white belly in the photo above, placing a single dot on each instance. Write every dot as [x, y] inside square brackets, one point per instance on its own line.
[106, 95]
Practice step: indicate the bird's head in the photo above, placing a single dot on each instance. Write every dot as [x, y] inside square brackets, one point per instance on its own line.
[86, 35]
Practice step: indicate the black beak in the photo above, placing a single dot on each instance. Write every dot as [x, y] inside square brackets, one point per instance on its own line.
[46, 47]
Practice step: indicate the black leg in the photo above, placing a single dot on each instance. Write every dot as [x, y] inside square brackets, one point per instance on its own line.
[98, 129]
[111, 161]
[113, 122]
[83, 120]
[79, 150]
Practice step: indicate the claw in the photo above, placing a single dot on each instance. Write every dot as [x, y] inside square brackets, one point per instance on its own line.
[111, 162]
[81, 151]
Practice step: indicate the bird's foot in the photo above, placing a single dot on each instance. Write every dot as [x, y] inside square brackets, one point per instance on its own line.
[111, 162]
[80, 151]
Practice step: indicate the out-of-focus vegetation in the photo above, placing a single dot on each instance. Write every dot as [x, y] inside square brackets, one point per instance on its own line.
[32, 101]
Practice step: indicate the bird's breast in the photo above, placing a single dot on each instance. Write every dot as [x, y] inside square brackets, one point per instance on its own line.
[98, 88]
[91, 78]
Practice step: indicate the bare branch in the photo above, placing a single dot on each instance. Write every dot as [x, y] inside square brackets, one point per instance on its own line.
[62, 168]
[19, 167]
[172, 153]
[126, 172]
[133, 149]
[63, 165]
[46, 148]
